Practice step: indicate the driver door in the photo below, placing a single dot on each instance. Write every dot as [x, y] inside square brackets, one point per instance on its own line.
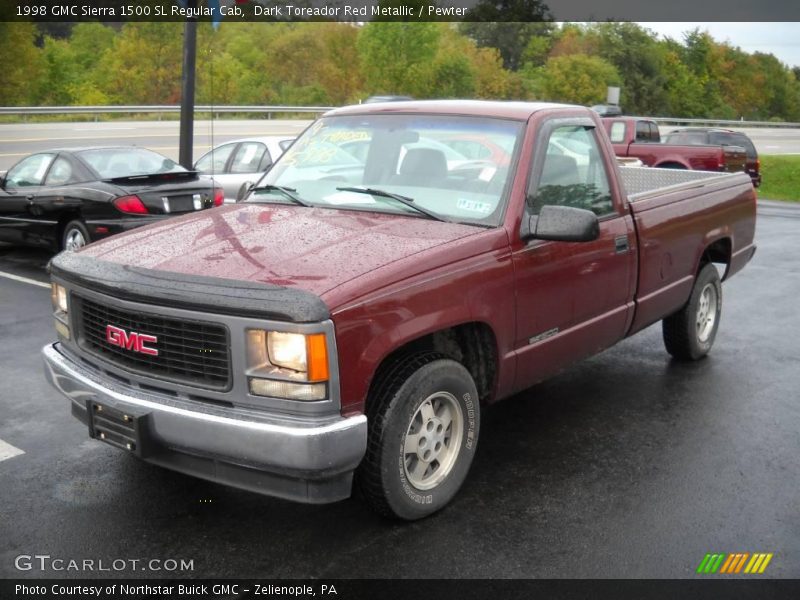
[21, 185]
[573, 298]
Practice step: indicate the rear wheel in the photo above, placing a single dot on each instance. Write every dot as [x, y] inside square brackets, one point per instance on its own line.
[690, 332]
[424, 423]
[75, 236]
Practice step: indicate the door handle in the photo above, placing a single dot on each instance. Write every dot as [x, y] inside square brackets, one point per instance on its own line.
[29, 198]
[621, 244]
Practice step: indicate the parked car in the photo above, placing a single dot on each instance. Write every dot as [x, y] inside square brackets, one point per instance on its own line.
[719, 137]
[387, 98]
[64, 199]
[640, 138]
[344, 326]
[235, 163]
[607, 110]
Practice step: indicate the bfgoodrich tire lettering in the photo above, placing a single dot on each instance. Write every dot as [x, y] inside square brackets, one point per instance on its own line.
[689, 333]
[424, 423]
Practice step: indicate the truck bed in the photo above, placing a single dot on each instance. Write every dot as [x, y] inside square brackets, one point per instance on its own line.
[676, 215]
[643, 182]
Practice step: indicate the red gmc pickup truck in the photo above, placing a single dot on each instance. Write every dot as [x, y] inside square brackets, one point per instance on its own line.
[344, 325]
[640, 138]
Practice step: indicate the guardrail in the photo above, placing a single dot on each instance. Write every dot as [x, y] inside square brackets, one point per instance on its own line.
[270, 110]
[156, 109]
[723, 123]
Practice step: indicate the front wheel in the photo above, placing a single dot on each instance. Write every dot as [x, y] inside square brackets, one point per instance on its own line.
[424, 422]
[690, 332]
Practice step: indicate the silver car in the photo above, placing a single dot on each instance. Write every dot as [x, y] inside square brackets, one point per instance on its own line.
[239, 162]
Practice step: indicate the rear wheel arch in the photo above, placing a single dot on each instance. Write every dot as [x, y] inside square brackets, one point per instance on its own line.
[719, 251]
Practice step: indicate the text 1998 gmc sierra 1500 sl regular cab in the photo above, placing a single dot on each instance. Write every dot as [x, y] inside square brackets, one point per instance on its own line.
[343, 326]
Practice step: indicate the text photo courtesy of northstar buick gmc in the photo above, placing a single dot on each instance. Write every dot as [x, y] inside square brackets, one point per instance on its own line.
[343, 327]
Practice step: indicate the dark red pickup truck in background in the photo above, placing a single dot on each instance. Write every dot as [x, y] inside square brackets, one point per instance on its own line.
[692, 136]
[346, 323]
[640, 138]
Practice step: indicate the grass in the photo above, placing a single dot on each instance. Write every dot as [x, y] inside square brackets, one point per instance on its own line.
[780, 178]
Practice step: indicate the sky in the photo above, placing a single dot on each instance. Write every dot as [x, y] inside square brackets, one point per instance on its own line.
[780, 39]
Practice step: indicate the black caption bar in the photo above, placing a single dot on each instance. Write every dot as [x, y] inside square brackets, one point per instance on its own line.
[357, 589]
[397, 10]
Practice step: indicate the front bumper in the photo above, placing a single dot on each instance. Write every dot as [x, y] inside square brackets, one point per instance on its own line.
[298, 458]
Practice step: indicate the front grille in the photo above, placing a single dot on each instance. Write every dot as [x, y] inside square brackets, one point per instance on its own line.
[189, 352]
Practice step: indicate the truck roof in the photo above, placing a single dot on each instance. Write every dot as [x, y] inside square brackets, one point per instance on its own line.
[483, 108]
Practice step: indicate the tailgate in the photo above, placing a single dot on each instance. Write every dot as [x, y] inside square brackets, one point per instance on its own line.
[735, 158]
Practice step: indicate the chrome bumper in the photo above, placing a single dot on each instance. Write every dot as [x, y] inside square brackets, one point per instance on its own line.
[305, 459]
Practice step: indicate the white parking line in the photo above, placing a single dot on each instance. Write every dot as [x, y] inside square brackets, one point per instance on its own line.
[24, 280]
[8, 451]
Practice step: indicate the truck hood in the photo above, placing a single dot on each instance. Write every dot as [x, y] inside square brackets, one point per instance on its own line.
[314, 249]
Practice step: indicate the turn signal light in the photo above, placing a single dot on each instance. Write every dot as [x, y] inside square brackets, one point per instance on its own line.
[131, 205]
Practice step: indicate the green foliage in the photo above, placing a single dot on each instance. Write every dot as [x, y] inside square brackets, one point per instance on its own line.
[575, 78]
[639, 60]
[510, 38]
[23, 75]
[339, 63]
[394, 55]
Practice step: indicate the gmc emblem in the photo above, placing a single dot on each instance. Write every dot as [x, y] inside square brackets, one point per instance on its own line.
[131, 341]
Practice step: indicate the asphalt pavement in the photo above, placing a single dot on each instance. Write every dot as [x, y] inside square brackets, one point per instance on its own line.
[626, 465]
[21, 139]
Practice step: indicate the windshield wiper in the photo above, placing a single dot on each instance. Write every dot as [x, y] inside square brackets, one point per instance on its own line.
[288, 192]
[404, 200]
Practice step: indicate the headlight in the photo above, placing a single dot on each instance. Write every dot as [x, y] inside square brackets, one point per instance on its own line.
[58, 295]
[287, 350]
[287, 365]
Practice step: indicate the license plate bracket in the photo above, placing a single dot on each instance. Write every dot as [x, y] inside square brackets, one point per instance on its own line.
[123, 429]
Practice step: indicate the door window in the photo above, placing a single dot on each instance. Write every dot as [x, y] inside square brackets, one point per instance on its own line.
[643, 131]
[29, 172]
[617, 133]
[573, 173]
[215, 161]
[248, 157]
[60, 173]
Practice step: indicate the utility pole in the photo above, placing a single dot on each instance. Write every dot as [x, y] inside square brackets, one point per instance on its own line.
[187, 89]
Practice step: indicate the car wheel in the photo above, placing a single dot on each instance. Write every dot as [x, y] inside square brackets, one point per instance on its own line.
[690, 332]
[75, 236]
[424, 422]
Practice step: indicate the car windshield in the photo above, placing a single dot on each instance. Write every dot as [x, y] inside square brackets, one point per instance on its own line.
[127, 162]
[412, 156]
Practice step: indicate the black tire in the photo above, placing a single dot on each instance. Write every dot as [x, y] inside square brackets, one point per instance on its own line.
[72, 233]
[684, 336]
[385, 478]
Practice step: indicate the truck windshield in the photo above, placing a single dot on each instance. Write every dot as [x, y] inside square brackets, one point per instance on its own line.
[456, 168]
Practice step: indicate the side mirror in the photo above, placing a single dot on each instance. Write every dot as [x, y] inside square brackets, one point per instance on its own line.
[244, 190]
[564, 224]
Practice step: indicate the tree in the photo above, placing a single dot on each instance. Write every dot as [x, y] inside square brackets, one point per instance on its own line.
[639, 59]
[395, 54]
[508, 25]
[23, 70]
[144, 64]
[575, 78]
